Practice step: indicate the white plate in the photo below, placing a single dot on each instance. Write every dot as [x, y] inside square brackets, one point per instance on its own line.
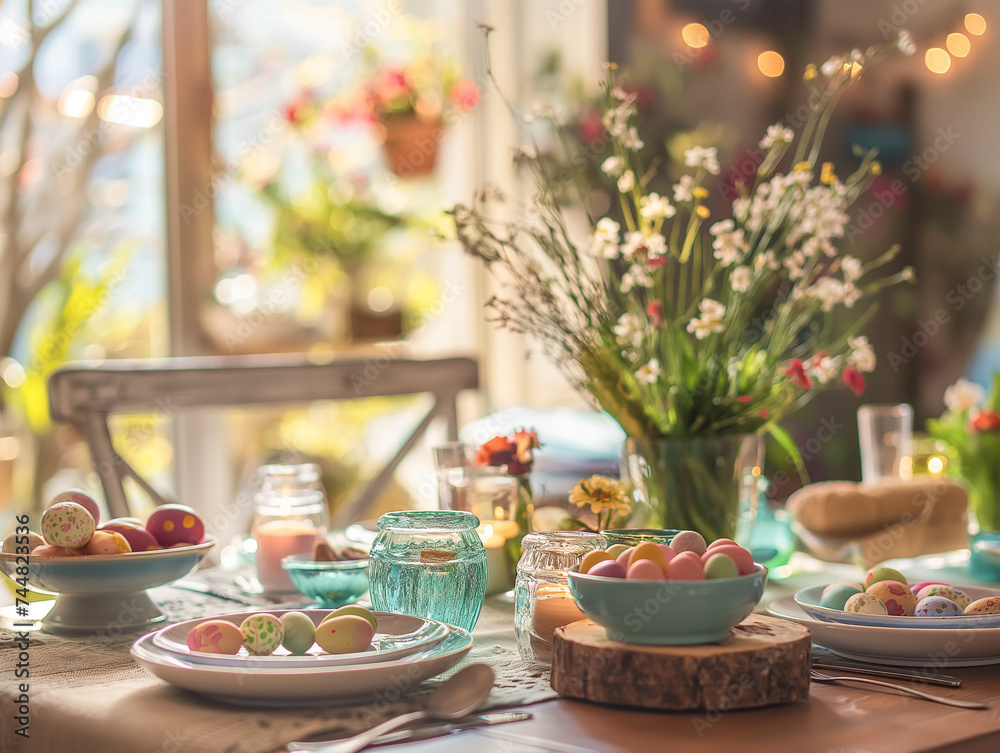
[397, 635]
[898, 646]
[297, 687]
[808, 599]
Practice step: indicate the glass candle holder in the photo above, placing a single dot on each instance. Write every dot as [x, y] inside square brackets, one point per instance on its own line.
[542, 601]
[429, 563]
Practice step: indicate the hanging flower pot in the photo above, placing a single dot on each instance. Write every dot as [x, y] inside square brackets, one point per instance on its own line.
[410, 144]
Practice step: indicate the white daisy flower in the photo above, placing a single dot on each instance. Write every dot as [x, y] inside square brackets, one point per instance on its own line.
[851, 267]
[636, 277]
[862, 355]
[740, 279]
[656, 207]
[964, 395]
[777, 134]
[630, 330]
[613, 166]
[703, 157]
[710, 320]
[605, 240]
[650, 373]
[683, 189]
[627, 182]
[823, 369]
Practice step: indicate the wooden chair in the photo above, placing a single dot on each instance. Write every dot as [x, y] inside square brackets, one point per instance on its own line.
[86, 395]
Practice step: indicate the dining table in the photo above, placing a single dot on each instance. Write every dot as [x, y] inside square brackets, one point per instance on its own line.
[88, 695]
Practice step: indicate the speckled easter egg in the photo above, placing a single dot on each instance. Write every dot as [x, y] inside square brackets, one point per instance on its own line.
[719, 565]
[262, 633]
[644, 569]
[937, 606]
[616, 549]
[107, 542]
[897, 597]
[836, 597]
[865, 603]
[138, 538]
[648, 550]
[609, 569]
[67, 524]
[300, 632]
[356, 611]
[215, 637]
[51, 550]
[689, 541]
[344, 635]
[986, 605]
[15, 540]
[686, 566]
[936, 589]
[81, 498]
[175, 524]
[739, 555]
[854, 584]
[877, 574]
[921, 586]
[592, 558]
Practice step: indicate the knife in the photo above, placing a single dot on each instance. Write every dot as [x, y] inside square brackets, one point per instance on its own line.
[437, 729]
[900, 674]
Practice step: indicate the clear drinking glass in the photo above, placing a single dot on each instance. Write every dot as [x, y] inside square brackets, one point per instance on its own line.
[886, 436]
[542, 601]
[633, 536]
[429, 563]
[453, 462]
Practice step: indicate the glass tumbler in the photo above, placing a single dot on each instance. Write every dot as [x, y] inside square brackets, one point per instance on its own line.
[886, 437]
[453, 463]
[542, 601]
[429, 563]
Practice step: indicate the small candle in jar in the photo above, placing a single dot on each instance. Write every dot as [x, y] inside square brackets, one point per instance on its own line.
[276, 540]
[498, 577]
[554, 607]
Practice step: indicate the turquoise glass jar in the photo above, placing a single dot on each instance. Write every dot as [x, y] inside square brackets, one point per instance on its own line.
[429, 563]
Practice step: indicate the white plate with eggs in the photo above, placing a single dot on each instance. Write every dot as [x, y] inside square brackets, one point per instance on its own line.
[898, 646]
[397, 636]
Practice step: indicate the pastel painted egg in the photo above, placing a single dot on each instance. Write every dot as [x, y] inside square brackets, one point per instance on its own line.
[921, 586]
[610, 569]
[648, 550]
[643, 569]
[67, 524]
[616, 549]
[739, 555]
[721, 542]
[685, 566]
[986, 605]
[897, 597]
[262, 633]
[107, 542]
[592, 558]
[138, 538]
[215, 637]
[668, 553]
[300, 632]
[836, 597]
[937, 606]
[936, 589]
[50, 550]
[877, 574]
[175, 524]
[81, 498]
[720, 566]
[344, 635]
[624, 557]
[356, 611]
[15, 540]
[854, 584]
[689, 541]
[865, 603]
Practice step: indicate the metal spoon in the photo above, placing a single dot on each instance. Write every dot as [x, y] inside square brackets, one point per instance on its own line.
[820, 677]
[457, 696]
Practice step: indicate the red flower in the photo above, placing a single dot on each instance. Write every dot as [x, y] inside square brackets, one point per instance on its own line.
[763, 414]
[743, 399]
[853, 379]
[655, 312]
[985, 420]
[591, 128]
[465, 95]
[798, 374]
[292, 113]
[654, 264]
[514, 453]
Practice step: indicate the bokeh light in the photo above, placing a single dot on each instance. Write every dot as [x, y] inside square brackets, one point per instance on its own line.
[937, 60]
[958, 44]
[771, 64]
[695, 35]
[976, 24]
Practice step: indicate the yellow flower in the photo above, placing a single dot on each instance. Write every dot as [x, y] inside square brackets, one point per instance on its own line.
[801, 167]
[602, 494]
[699, 192]
[810, 73]
[702, 211]
[828, 176]
[876, 168]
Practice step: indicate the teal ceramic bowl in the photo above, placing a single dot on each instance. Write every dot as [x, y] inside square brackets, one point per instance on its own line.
[667, 612]
[329, 584]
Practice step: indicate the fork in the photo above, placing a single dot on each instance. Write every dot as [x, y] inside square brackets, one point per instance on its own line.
[820, 677]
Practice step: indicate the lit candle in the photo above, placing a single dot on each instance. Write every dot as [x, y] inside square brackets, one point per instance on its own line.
[554, 607]
[275, 540]
[498, 568]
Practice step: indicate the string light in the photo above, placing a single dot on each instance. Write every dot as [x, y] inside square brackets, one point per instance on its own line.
[937, 60]
[958, 44]
[975, 24]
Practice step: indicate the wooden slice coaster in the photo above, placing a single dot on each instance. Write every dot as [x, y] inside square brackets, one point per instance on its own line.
[764, 661]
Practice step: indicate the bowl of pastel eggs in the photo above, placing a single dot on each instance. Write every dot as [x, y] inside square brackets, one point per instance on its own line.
[685, 592]
[886, 598]
[101, 570]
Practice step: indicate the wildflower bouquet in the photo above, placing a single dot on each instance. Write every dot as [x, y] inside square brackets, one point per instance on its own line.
[687, 326]
[971, 427]
[426, 87]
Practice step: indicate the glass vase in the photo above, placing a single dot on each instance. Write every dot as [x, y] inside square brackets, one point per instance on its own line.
[429, 563]
[704, 485]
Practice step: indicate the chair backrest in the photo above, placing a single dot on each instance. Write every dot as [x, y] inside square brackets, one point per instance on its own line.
[86, 395]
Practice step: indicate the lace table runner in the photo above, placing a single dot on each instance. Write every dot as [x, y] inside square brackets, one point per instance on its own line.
[89, 695]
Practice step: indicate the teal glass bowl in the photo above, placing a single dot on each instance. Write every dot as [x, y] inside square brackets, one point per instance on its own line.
[329, 584]
[668, 612]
